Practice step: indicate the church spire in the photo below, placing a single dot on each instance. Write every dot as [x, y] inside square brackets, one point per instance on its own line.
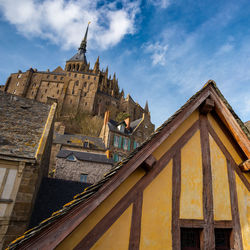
[146, 109]
[83, 44]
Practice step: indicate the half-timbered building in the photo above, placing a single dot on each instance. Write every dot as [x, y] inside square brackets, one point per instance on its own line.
[186, 187]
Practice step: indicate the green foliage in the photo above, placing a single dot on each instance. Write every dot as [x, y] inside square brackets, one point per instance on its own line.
[84, 124]
[121, 116]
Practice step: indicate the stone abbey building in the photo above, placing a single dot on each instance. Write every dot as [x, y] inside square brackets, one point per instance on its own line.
[77, 88]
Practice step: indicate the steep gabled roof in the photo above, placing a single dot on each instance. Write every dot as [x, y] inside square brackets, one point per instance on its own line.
[73, 213]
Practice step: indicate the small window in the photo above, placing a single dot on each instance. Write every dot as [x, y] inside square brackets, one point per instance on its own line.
[83, 178]
[85, 84]
[73, 91]
[58, 91]
[61, 78]
[55, 77]
[116, 141]
[86, 144]
[86, 103]
[222, 238]
[32, 93]
[88, 77]
[83, 76]
[45, 91]
[47, 76]
[190, 238]
[70, 102]
[71, 158]
[48, 84]
[94, 78]
[76, 83]
[75, 75]
[57, 85]
[14, 92]
[84, 94]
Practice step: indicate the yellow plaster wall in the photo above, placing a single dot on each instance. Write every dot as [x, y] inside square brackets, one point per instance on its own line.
[247, 175]
[81, 231]
[244, 211]
[117, 236]
[191, 203]
[169, 142]
[224, 139]
[157, 212]
[221, 195]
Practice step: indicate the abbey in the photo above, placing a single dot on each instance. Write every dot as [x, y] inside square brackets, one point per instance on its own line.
[77, 88]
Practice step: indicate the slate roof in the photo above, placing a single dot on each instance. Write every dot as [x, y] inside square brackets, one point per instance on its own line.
[84, 156]
[113, 126]
[78, 140]
[52, 195]
[21, 125]
[90, 191]
[79, 56]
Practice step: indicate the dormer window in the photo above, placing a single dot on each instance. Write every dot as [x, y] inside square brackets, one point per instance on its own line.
[71, 157]
[121, 128]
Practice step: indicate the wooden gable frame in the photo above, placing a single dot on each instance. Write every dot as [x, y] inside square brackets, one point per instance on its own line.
[48, 237]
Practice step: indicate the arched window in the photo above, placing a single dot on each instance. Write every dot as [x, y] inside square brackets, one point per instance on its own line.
[77, 67]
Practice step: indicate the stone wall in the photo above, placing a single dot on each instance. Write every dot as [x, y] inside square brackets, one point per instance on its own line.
[71, 170]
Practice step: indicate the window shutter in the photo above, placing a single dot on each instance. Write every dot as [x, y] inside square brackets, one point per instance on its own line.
[128, 144]
[120, 142]
[114, 140]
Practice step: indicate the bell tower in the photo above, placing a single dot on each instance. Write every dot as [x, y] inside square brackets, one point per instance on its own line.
[78, 62]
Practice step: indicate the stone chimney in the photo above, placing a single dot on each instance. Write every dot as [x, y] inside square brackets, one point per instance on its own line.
[127, 121]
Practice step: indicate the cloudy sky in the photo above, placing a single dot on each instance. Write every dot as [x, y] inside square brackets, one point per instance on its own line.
[162, 51]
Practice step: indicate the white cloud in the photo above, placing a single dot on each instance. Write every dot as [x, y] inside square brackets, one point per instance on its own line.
[63, 22]
[158, 52]
[160, 3]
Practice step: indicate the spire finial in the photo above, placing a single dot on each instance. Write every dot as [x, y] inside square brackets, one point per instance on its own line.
[146, 109]
[83, 44]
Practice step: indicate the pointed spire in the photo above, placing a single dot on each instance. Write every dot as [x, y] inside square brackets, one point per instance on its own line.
[146, 109]
[83, 44]
[96, 67]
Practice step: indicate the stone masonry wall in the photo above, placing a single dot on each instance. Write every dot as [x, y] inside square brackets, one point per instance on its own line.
[71, 170]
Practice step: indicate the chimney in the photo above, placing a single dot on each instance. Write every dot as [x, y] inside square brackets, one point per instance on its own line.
[106, 117]
[127, 121]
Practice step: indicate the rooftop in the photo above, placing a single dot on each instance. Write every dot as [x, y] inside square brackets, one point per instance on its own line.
[22, 124]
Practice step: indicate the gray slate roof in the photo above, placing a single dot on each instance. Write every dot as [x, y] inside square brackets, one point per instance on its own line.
[21, 125]
[79, 56]
[113, 126]
[68, 139]
[84, 156]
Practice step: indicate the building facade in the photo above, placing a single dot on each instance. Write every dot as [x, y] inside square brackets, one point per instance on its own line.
[76, 88]
[26, 133]
[121, 138]
[184, 188]
[83, 167]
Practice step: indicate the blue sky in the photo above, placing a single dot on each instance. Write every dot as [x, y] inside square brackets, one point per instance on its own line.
[162, 51]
